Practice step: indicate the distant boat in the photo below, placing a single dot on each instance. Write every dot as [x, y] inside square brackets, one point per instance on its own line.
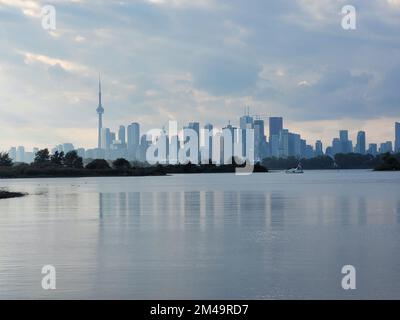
[298, 169]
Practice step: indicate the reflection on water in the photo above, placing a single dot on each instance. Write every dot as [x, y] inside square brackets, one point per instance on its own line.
[203, 236]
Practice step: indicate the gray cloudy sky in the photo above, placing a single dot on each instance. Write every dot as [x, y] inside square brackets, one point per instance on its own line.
[197, 60]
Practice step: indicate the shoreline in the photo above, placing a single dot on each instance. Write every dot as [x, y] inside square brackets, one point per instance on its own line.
[9, 195]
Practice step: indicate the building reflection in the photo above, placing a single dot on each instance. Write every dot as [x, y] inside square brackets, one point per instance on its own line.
[362, 211]
[277, 210]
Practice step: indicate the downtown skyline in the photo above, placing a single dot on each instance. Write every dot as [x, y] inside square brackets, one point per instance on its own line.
[131, 143]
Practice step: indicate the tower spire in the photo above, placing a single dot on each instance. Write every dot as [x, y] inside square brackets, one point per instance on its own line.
[100, 111]
[99, 90]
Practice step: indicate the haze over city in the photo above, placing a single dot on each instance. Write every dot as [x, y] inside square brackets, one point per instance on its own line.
[197, 61]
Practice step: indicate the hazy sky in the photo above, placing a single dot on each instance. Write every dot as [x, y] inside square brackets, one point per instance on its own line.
[197, 60]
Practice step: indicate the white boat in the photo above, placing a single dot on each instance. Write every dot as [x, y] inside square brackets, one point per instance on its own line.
[299, 169]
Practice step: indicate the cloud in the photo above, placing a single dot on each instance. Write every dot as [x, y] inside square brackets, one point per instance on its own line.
[31, 58]
[28, 7]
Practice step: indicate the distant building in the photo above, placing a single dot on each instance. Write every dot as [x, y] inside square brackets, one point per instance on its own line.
[397, 137]
[106, 139]
[67, 147]
[284, 143]
[13, 153]
[246, 122]
[133, 140]
[309, 153]
[275, 126]
[294, 145]
[329, 152]
[274, 145]
[372, 149]
[319, 148]
[260, 140]
[303, 148]
[228, 139]
[20, 154]
[81, 152]
[336, 146]
[121, 135]
[208, 131]
[361, 143]
[346, 144]
[386, 147]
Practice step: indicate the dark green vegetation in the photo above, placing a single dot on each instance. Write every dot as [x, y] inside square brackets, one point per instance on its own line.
[71, 165]
[341, 161]
[7, 194]
[5, 160]
[389, 163]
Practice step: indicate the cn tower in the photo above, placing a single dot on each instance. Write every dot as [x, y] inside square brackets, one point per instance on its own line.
[100, 111]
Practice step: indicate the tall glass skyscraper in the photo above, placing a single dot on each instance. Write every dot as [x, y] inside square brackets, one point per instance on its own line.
[275, 126]
[361, 145]
[397, 137]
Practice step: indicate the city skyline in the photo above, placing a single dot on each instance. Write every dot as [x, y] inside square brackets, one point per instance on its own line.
[280, 142]
[158, 64]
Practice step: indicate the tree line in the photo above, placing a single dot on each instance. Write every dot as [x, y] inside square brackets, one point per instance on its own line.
[381, 162]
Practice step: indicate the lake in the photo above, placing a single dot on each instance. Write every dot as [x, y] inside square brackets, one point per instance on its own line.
[207, 236]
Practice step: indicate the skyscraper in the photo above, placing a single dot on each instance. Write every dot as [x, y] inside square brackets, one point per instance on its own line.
[318, 148]
[227, 148]
[106, 139]
[343, 135]
[397, 137]
[196, 127]
[275, 126]
[208, 131]
[259, 140]
[294, 145]
[373, 149]
[133, 140]
[284, 143]
[360, 146]
[20, 154]
[246, 122]
[346, 144]
[100, 111]
[121, 135]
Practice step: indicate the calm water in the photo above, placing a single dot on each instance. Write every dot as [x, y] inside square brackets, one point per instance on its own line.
[264, 236]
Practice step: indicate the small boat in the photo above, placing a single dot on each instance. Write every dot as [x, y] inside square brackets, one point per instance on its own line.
[298, 169]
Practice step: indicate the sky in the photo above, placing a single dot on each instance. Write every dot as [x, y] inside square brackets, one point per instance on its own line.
[202, 60]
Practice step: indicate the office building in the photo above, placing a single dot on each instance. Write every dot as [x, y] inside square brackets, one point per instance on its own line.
[319, 148]
[275, 126]
[360, 146]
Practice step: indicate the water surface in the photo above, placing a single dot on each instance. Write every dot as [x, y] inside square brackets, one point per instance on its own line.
[209, 236]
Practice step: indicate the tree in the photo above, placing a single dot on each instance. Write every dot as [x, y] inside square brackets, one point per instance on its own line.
[388, 162]
[42, 157]
[72, 160]
[5, 160]
[121, 164]
[57, 158]
[98, 164]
